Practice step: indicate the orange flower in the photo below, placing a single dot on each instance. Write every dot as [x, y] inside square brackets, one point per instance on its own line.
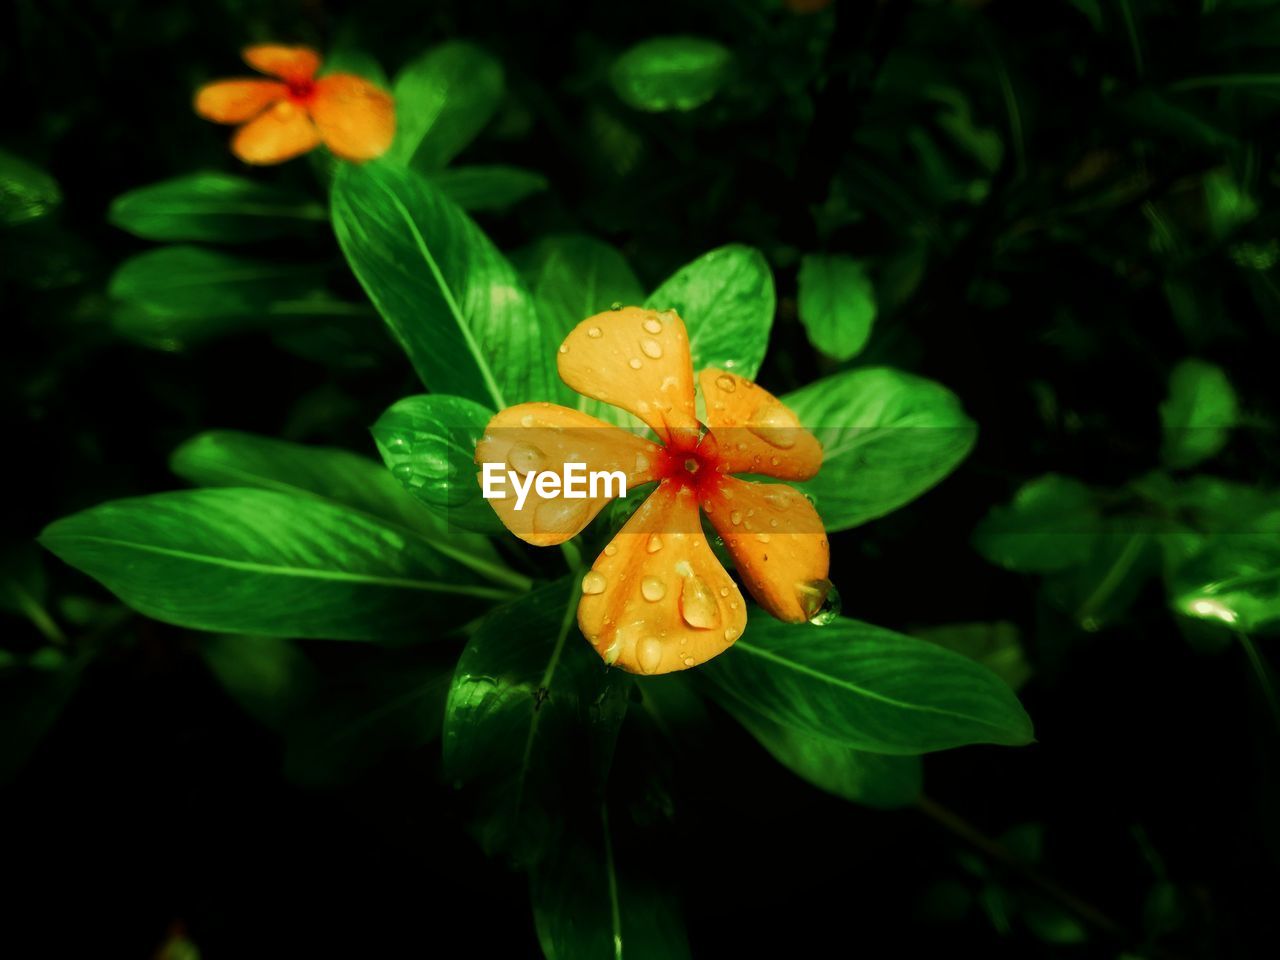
[291, 115]
[657, 599]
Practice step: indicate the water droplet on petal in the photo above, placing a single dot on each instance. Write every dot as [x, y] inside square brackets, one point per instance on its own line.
[735, 517]
[594, 583]
[762, 537]
[775, 425]
[684, 568]
[819, 600]
[689, 661]
[773, 522]
[724, 591]
[564, 348]
[526, 420]
[594, 333]
[654, 544]
[635, 363]
[652, 326]
[611, 550]
[652, 589]
[642, 463]
[731, 633]
[651, 348]
[525, 457]
[697, 605]
[611, 655]
[726, 383]
[649, 654]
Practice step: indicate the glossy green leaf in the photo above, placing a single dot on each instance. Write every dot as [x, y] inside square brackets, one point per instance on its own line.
[488, 188]
[726, 300]
[887, 437]
[1198, 414]
[192, 282]
[215, 208]
[254, 561]
[872, 779]
[997, 646]
[836, 303]
[670, 73]
[866, 687]
[572, 277]
[1051, 524]
[589, 903]
[27, 193]
[1234, 580]
[429, 445]
[444, 99]
[451, 299]
[227, 458]
[530, 722]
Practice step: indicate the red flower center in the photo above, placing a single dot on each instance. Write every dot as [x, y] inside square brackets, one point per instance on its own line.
[301, 91]
[698, 469]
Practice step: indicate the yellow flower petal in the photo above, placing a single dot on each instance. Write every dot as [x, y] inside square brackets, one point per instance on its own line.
[756, 432]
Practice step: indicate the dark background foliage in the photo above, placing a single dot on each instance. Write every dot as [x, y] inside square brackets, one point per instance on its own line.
[1050, 263]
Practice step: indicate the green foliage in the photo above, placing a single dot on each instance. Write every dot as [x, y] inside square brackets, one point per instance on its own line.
[451, 299]
[27, 193]
[429, 444]
[726, 299]
[670, 73]
[213, 208]
[265, 563]
[444, 98]
[530, 723]
[887, 437]
[867, 688]
[488, 188]
[1198, 415]
[837, 304]
[1051, 524]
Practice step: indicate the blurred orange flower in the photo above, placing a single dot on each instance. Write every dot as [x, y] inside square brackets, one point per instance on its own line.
[657, 599]
[292, 114]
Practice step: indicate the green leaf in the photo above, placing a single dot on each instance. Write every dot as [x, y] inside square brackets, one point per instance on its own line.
[1051, 524]
[1124, 556]
[191, 282]
[27, 193]
[1198, 415]
[444, 99]
[304, 326]
[837, 304]
[1233, 580]
[670, 73]
[213, 207]
[254, 561]
[341, 58]
[726, 300]
[587, 904]
[450, 298]
[488, 188]
[866, 687]
[996, 646]
[226, 458]
[572, 277]
[1228, 205]
[429, 445]
[873, 779]
[531, 721]
[887, 437]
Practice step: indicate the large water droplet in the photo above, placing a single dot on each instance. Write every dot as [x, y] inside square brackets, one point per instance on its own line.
[819, 600]
[697, 605]
[649, 654]
[651, 348]
[775, 425]
[652, 326]
[652, 589]
[726, 383]
[525, 457]
[594, 583]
